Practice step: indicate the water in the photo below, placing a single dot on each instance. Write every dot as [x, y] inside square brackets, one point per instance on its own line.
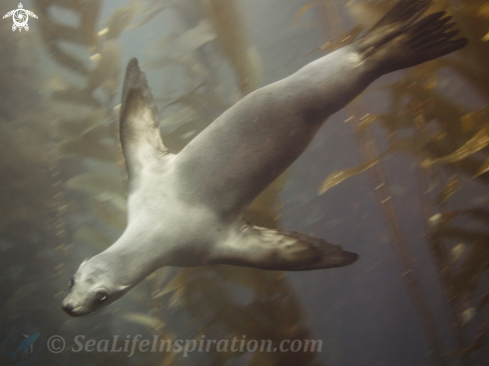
[415, 296]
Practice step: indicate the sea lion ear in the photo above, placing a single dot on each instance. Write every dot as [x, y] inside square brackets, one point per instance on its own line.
[85, 261]
[139, 130]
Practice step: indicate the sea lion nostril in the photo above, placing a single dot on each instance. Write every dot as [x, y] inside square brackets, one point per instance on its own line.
[67, 308]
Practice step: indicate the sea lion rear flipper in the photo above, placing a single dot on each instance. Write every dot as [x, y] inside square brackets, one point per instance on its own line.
[257, 247]
[399, 40]
[401, 16]
[139, 130]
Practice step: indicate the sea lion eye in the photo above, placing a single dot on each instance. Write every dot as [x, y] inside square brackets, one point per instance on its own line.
[101, 296]
[72, 282]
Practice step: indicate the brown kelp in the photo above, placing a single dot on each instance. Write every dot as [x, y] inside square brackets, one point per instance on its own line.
[204, 298]
[33, 231]
[449, 145]
[204, 293]
[85, 129]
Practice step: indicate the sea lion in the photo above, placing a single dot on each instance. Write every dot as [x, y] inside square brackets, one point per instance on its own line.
[187, 209]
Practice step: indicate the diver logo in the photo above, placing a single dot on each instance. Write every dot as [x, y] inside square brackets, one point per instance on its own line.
[20, 17]
[22, 345]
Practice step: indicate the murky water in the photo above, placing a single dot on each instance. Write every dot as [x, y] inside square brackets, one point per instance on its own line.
[415, 208]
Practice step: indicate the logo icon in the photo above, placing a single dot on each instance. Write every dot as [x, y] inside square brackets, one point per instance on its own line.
[22, 345]
[27, 345]
[20, 17]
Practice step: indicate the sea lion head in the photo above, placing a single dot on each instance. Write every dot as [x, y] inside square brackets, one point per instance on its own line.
[92, 287]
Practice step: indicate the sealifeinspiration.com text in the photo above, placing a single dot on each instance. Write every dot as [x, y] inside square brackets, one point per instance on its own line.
[132, 343]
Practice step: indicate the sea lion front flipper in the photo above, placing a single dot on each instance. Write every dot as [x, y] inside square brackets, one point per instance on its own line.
[139, 130]
[257, 247]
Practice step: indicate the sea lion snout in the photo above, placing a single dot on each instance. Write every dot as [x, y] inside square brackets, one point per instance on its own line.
[71, 310]
[67, 308]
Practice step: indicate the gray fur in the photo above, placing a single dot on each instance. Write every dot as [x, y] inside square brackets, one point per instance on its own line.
[187, 209]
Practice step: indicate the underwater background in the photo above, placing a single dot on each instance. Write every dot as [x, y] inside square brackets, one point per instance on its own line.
[410, 191]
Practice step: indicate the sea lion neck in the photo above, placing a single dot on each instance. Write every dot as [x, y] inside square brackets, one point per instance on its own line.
[126, 263]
